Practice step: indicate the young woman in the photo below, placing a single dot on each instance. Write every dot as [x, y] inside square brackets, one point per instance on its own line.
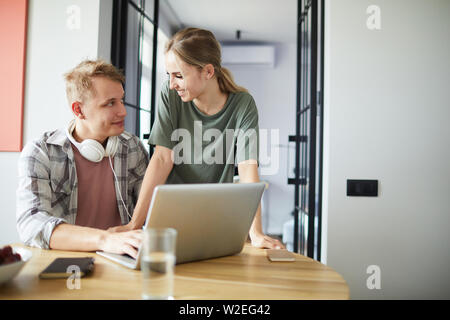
[205, 124]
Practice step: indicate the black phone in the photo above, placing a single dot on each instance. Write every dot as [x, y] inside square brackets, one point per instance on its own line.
[65, 267]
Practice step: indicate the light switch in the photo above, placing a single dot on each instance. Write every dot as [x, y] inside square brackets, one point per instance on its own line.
[362, 188]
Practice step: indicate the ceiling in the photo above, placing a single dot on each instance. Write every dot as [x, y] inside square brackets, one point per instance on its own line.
[272, 21]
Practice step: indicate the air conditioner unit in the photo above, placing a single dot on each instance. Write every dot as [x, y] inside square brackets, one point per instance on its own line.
[256, 55]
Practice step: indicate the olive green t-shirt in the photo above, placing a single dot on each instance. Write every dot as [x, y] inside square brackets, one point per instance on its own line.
[206, 148]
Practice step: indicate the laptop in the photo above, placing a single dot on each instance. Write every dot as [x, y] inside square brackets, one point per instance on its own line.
[212, 220]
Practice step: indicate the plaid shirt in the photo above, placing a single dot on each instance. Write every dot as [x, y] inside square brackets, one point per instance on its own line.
[48, 188]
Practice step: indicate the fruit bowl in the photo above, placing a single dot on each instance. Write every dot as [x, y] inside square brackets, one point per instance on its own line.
[9, 270]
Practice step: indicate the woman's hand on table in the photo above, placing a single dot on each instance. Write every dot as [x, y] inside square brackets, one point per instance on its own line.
[261, 240]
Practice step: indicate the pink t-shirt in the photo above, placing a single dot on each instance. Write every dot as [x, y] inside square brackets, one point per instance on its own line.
[97, 202]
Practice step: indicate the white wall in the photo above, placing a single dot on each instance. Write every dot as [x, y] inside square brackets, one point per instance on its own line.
[274, 92]
[53, 48]
[386, 114]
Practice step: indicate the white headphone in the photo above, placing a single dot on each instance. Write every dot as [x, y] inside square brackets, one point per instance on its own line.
[91, 149]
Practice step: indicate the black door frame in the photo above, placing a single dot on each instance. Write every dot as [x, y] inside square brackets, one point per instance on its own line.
[308, 137]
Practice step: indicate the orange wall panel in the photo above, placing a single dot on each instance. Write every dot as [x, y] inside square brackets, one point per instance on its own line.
[13, 29]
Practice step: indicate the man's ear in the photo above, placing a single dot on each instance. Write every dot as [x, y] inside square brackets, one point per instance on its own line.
[209, 71]
[76, 109]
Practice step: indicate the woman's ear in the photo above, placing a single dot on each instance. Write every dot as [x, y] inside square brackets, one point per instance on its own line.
[209, 71]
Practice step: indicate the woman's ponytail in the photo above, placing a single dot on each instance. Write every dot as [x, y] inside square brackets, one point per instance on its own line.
[226, 81]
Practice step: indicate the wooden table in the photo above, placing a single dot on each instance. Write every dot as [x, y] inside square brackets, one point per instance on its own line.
[248, 275]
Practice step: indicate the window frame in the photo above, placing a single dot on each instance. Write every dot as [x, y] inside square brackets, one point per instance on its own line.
[119, 51]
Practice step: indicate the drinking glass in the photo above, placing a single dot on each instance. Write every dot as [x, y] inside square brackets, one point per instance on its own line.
[158, 263]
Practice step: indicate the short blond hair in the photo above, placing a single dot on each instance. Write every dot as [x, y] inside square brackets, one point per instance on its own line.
[79, 79]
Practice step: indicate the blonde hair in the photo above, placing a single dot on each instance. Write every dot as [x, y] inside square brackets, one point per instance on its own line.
[199, 47]
[79, 79]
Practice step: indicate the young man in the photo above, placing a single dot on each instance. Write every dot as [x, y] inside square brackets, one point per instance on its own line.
[69, 194]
